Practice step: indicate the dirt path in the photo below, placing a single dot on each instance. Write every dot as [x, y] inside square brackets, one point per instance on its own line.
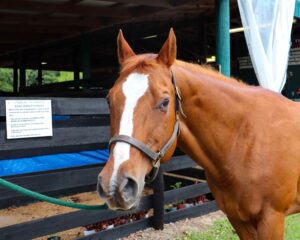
[14, 215]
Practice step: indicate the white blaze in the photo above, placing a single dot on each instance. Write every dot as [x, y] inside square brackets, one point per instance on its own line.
[133, 89]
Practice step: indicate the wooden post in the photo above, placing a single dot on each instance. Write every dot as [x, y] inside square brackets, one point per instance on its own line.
[202, 39]
[223, 35]
[76, 68]
[85, 53]
[235, 48]
[158, 201]
[22, 76]
[40, 75]
[15, 77]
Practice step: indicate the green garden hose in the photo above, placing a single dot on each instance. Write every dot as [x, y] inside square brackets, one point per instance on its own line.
[48, 199]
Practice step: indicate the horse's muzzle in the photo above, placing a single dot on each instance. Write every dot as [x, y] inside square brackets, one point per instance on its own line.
[123, 196]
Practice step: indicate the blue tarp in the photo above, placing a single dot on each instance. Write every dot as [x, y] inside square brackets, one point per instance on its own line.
[52, 162]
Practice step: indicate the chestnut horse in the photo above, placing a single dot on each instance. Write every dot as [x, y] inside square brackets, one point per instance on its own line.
[246, 138]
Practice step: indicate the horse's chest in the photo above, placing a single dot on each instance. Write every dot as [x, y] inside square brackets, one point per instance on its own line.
[225, 200]
[235, 201]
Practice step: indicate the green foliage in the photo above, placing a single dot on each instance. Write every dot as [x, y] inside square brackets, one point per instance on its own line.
[176, 185]
[48, 76]
[292, 227]
[65, 76]
[31, 76]
[6, 78]
[222, 230]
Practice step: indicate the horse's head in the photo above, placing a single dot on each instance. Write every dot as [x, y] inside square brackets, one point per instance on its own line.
[142, 107]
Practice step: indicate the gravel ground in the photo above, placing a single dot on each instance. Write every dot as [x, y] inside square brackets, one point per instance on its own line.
[173, 230]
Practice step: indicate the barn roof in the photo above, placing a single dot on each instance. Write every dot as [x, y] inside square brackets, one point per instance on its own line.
[38, 25]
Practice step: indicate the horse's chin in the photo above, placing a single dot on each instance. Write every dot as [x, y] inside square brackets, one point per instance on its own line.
[122, 199]
[130, 207]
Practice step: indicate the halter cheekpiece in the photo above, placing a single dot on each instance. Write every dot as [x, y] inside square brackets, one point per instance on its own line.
[155, 157]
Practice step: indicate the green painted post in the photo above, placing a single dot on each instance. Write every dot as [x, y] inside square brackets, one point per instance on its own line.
[223, 35]
[297, 9]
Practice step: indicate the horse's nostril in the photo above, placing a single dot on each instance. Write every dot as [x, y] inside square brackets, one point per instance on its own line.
[129, 187]
[100, 188]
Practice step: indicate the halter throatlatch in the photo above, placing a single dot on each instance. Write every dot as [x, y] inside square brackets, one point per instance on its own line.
[155, 157]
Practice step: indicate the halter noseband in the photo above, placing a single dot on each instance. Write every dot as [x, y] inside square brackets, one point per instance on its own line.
[154, 156]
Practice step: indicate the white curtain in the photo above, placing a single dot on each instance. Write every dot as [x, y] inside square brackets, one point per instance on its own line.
[267, 25]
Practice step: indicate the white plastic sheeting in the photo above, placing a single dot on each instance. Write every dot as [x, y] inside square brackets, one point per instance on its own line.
[267, 25]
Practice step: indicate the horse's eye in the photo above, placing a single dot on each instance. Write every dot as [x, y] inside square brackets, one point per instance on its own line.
[164, 104]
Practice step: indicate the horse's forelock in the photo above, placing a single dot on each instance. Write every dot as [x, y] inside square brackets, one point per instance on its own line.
[138, 63]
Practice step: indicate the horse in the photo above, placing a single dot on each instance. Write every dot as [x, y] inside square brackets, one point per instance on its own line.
[245, 137]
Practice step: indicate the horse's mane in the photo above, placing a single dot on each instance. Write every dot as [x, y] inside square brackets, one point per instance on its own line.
[144, 61]
[207, 70]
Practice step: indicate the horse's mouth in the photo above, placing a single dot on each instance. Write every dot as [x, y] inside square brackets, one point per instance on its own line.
[117, 203]
[122, 207]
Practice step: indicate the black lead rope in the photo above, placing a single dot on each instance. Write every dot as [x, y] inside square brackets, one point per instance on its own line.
[155, 157]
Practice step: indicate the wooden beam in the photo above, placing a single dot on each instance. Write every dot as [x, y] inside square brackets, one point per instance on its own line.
[30, 35]
[73, 106]
[21, 27]
[176, 3]
[46, 7]
[35, 228]
[22, 76]
[8, 45]
[26, 39]
[158, 3]
[158, 201]
[15, 78]
[103, 36]
[139, 11]
[42, 20]
[202, 35]
[85, 57]
[76, 69]
[40, 75]
[152, 3]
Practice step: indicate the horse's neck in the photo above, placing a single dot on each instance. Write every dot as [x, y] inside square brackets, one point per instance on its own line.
[215, 110]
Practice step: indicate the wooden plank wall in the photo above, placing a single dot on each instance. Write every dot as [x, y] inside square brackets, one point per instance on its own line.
[67, 181]
[87, 129]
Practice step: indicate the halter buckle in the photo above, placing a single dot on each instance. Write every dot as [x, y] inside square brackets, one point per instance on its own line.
[178, 93]
[156, 162]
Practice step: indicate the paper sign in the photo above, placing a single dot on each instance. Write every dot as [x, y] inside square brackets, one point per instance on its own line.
[28, 118]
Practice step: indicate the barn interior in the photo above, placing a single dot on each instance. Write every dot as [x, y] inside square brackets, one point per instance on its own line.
[79, 36]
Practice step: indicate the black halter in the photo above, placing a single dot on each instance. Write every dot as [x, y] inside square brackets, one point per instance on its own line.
[154, 156]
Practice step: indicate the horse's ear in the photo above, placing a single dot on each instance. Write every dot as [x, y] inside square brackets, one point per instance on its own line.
[124, 50]
[168, 52]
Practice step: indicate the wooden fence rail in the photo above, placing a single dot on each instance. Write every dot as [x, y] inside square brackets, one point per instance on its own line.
[71, 220]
